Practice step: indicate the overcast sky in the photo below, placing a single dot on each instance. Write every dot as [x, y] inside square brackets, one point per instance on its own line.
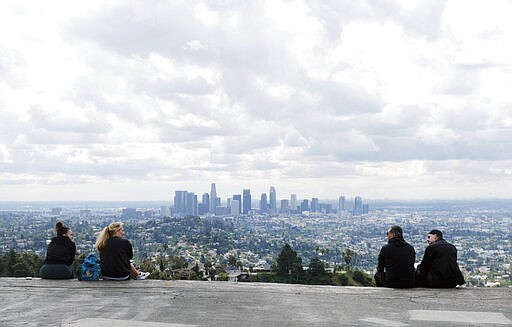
[133, 100]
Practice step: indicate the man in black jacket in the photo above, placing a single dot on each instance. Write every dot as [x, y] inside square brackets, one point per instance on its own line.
[439, 268]
[396, 261]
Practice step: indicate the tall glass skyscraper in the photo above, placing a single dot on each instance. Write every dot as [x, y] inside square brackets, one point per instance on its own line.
[247, 201]
[293, 202]
[185, 203]
[213, 199]
[341, 205]
[238, 197]
[358, 206]
[314, 205]
[272, 201]
[263, 202]
[180, 202]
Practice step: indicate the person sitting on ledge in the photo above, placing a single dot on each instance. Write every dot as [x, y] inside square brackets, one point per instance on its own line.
[439, 268]
[60, 255]
[116, 254]
[396, 261]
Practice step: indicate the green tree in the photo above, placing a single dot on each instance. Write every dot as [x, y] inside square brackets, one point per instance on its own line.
[162, 267]
[232, 260]
[11, 262]
[348, 256]
[24, 264]
[288, 262]
[21, 269]
[178, 262]
[196, 269]
[223, 277]
[316, 267]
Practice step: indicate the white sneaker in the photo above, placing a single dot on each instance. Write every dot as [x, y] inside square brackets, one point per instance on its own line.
[142, 275]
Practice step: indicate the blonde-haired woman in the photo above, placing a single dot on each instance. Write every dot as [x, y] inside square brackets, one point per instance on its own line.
[116, 253]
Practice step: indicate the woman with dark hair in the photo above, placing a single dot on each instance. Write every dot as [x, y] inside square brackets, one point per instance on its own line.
[116, 253]
[60, 255]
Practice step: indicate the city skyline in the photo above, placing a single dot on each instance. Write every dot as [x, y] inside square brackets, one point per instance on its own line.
[186, 203]
[132, 101]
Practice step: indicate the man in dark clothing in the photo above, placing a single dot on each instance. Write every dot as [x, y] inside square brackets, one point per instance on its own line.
[439, 268]
[396, 261]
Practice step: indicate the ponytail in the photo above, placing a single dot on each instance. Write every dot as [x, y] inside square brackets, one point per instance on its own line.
[107, 233]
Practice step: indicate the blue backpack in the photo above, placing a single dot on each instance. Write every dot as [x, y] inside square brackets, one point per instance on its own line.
[91, 269]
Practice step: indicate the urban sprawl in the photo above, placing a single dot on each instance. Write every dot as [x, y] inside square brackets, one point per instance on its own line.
[254, 231]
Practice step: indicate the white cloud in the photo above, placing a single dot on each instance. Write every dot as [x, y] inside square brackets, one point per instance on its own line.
[5, 155]
[388, 98]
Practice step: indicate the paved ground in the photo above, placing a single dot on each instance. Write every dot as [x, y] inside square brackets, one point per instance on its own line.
[148, 303]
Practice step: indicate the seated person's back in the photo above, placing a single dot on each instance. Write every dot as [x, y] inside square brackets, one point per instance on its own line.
[60, 255]
[439, 267]
[116, 253]
[396, 261]
[115, 257]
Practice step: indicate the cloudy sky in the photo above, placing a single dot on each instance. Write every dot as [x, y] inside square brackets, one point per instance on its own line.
[132, 100]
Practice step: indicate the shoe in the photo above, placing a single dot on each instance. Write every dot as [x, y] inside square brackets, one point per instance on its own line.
[142, 275]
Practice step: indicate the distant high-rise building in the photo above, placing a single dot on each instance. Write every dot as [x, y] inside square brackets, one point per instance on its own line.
[314, 205]
[325, 208]
[246, 201]
[204, 206]
[293, 202]
[272, 204]
[238, 197]
[358, 206]
[180, 198]
[263, 202]
[285, 207]
[185, 203]
[191, 204]
[341, 204]
[366, 208]
[213, 198]
[206, 201]
[235, 208]
[304, 206]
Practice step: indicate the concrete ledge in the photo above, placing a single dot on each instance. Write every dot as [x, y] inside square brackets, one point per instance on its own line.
[147, 303]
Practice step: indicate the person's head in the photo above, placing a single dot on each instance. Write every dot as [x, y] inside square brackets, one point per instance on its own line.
[115, 229]
[434, 235]
[394, 231]
[63, 230]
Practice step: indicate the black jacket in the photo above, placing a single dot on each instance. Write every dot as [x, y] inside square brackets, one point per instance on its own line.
[439, 265]
[396, 261]
[115, 257]
[60, 250]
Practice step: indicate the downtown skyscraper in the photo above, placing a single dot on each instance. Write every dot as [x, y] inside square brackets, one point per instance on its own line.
[246, 201]
[272, 204]
[213, 198]
[293, 202]
[263, 202]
